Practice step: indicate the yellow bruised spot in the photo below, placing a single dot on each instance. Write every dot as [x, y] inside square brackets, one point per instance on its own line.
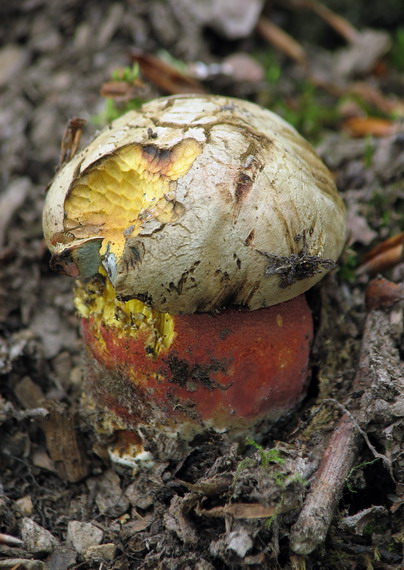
[114, 198]
[285, 358]
[279, 320]
[129, 318]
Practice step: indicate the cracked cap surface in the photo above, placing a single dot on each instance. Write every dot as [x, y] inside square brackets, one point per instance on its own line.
[180, 221]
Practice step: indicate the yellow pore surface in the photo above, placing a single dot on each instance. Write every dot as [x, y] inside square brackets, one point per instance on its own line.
[96, 299]
[111, 200]
[114, 197]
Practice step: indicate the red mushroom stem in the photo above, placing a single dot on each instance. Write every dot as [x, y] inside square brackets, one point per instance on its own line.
[230, 371]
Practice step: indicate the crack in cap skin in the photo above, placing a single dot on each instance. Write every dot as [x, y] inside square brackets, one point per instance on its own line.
[225, 200]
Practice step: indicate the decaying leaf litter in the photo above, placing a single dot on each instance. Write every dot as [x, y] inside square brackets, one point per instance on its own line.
[253, 505]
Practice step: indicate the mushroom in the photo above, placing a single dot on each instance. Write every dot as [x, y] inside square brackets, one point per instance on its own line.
[194, 225]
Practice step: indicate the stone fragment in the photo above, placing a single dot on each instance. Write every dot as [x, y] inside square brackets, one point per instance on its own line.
[37, 539]
[24, 505]
[110, 498]
[12, 60]
[61, 558]
[83, 535]
[102, 552]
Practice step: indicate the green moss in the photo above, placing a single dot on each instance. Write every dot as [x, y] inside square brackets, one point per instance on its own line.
[350, 480]
[114, 109]
[396, 56]
[369, 151]
[373, 528]
[265, 459]
[269, 522]
[307, 107]
[309, 115]
[128, 74]
[246, 463]
[270, 63]
[267, 456]
[385, 208]
[348, 268]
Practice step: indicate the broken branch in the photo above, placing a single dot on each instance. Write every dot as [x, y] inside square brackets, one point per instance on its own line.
[318, 511]
[339, 456]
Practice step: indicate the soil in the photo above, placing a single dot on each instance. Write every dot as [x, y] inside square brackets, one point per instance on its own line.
[63, 503]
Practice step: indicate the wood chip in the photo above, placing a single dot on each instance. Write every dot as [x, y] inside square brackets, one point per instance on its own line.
[61, 440]
[383, 293]
[240, 511]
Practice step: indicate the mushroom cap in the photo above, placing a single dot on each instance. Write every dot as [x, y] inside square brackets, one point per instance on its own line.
[194, 203]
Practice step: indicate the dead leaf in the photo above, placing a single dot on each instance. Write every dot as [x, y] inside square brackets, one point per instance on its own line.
[63, 444]
[233, 19]
[42, 460]
[383, 293]
[384, 256]
[242, 67]
[210, 486]
[362, 55]
[375, 97]
[359, 520]
[176, 520]
[71, 139]
[364, 126]
[384, 246]
[365, 49]
[359, 230]
[139, 525]
[10, 540]
[121, 91]
[29, 394]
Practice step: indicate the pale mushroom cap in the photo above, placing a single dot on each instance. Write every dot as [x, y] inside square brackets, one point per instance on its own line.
[195, 203]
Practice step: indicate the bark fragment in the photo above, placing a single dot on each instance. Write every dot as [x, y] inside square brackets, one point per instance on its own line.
[63, 446]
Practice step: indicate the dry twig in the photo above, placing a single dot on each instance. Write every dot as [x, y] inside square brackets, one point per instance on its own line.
[164, 75]
[281, 40]
[10, 540]
[335, 21]
[318, 511]
[338, 458]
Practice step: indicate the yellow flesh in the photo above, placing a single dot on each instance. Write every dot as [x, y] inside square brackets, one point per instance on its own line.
[128, 187]
[111, 201]
[129, 318]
